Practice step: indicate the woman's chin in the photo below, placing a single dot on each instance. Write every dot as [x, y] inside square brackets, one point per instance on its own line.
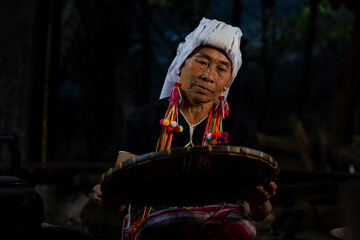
[201, 100]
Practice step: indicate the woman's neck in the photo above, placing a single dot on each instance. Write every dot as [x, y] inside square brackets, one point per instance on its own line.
[194, 113]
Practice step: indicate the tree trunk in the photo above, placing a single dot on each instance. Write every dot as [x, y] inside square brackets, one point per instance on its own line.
[101, 21]
[144, 87]
[305, 91]
[268, 77]
[238, 6]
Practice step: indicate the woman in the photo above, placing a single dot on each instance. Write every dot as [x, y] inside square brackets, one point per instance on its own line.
[192, 110]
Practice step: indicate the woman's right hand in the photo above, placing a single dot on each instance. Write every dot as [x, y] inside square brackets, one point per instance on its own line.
[108, 204]
[111, 204]
[98, 194]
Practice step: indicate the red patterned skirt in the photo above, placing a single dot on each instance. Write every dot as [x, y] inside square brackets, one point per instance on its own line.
[220, 221]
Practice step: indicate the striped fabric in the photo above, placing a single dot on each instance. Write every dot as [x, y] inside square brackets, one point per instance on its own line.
[221, 221]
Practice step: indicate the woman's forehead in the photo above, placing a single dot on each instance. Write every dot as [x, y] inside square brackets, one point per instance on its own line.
[208, 51]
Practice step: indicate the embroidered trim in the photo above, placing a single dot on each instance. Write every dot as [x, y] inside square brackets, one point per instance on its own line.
[191, 128]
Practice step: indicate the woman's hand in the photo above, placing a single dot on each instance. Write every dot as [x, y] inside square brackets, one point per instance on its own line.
[256, 200]
[260, 194]
[98, 194]
[108, 204]
[111, 204]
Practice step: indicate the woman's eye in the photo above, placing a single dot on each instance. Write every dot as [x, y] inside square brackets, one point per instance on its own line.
[201, 61]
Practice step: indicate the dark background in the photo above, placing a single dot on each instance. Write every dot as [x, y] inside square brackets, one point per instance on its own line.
[73, 70]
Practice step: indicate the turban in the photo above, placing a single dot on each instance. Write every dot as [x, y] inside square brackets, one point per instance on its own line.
[209, 33]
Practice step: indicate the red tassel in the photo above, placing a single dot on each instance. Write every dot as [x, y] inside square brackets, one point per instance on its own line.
[222, 109]
[176, 95]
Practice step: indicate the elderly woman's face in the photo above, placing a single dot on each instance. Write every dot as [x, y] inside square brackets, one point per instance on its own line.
[205, 74]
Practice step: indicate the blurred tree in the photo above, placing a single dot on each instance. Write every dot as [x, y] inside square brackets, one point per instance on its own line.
[305, 38]
[267, 59]
[305, 90]
[238, 6]
[346, 89]
[107, 26]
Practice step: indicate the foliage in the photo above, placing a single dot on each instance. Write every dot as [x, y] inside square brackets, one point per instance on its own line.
[287, 33]
[334, 26]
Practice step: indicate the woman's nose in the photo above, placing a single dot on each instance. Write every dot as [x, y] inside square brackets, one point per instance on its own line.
[209, 73]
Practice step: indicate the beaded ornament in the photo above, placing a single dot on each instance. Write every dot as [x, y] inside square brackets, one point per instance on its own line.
[214, 133]
[170, 123]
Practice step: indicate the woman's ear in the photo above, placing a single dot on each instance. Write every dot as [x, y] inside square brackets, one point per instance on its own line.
[179, 72]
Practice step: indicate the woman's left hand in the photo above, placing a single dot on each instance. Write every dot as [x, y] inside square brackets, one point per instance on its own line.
[256, 200]
[260, 194]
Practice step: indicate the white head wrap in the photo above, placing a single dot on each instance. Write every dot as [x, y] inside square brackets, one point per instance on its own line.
[211, 33]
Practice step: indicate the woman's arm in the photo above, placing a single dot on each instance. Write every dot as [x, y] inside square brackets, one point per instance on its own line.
[124, 156]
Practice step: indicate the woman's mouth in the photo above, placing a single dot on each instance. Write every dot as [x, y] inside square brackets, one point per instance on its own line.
[203, 89]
